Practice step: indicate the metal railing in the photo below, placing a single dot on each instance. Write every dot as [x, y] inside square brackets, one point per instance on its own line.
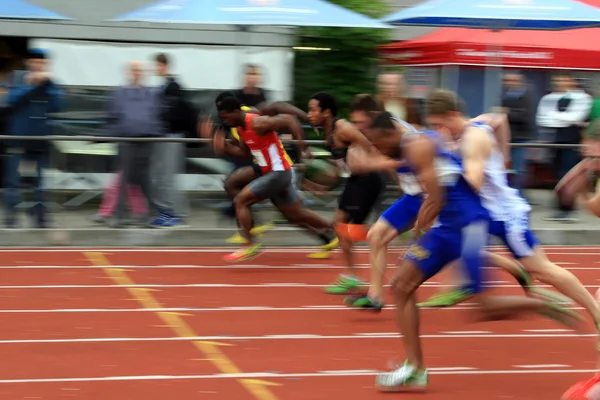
[532, 144]
[86, 170]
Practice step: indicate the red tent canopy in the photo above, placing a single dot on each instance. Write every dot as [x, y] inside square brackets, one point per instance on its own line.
[571, 49]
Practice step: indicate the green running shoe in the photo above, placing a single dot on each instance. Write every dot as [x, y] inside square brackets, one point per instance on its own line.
[344, 285]
[363, 302]
[562, 315]
[447, 299]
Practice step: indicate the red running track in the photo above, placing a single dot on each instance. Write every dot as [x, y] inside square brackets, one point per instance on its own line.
[178, 323]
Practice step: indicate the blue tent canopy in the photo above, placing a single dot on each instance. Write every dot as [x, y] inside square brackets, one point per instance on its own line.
[18, 9]
[499, 14]
[300, 13]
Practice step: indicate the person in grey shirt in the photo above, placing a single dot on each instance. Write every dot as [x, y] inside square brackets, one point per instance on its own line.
[135, 111]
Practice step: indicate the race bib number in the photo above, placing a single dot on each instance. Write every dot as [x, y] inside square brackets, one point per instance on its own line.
[260, 158]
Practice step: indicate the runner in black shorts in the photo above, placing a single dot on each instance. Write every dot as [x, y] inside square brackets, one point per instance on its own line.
[361, 192]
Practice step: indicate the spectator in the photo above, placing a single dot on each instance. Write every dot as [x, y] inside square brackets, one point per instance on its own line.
[135, 111]
[564, 112]
[516, 102]
[137, 202]
[594, 115]
[169, 157]
[251, 94]
[392, 98]
[32, 96]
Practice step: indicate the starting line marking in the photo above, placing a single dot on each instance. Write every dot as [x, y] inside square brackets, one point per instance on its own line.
[374, 335]
[319, 374]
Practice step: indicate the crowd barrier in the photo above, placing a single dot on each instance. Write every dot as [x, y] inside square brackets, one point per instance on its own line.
[82, 166]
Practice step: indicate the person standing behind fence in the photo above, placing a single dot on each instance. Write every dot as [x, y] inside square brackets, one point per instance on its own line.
[169, 157]
[135, 112]
[30, 99]
[564, 112]
[516, 103]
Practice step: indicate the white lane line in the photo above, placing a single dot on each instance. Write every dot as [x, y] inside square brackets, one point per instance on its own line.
[292, 337]
[229, 285]
[296, 267]
[546, 330]
[467, 332]
[258, 375]
[395, 251]
[541, 366]
[215, 309]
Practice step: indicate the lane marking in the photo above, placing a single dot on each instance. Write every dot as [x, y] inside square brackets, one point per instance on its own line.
[540, 366]
[292, 337]
[258, 375]
[546, 330]
[220, 309]
[455, 333]
[155, 287]
[226, 249]
[296, 267]
[210, 349]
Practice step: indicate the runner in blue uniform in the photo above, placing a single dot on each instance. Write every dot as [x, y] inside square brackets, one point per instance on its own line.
[402, 215]
[460, 233]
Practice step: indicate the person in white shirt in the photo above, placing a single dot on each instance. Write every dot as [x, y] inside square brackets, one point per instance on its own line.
[563, 114]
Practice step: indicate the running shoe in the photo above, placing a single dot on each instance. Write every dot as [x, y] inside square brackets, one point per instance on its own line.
[344, 285]
[404, 379]
[447, 299]
[550, 295]
[257, 231]
[243, 254]
[363, 302]
[598, 337]
[562, 315]
[325, 251]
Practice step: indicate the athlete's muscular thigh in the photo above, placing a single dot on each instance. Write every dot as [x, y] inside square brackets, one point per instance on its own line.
[406, 279]
[381, 233]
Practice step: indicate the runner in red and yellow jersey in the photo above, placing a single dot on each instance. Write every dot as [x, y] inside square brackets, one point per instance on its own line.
[258, 138]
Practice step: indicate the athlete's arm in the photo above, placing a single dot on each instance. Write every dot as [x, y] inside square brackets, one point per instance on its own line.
[281, 107]
[421, 154]
[265, 124]
[475, 147]
[233, 147]
[499, 123]
[348, 133]
[359, 161]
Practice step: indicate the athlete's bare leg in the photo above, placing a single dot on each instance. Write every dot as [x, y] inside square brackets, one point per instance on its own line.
[564, 281]
[380, 236]
[242, 202]
[346, 245]
[298, 215]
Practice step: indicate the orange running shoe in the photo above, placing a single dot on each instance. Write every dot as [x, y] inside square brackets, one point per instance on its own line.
[243, 254]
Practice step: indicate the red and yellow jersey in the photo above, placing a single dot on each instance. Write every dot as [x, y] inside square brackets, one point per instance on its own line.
[236, 135]
[266, 149]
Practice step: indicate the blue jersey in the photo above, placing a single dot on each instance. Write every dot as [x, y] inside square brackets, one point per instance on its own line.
[461, 228]
[462, 204]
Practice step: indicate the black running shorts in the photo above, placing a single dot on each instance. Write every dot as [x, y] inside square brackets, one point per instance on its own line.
[360, 196]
